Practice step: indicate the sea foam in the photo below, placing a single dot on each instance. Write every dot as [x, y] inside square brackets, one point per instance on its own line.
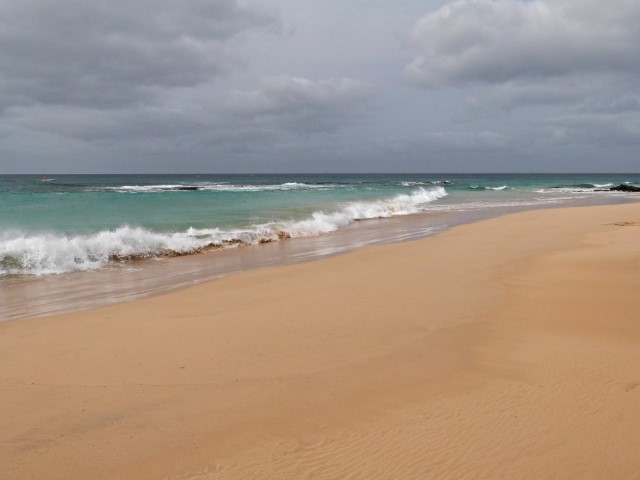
[47, 253]
[215, 187]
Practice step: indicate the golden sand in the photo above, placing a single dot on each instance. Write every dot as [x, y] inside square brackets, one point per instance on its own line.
[506, 349]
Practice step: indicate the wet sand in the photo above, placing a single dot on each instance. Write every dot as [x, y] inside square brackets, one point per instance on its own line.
[507, 348]
[32, 296]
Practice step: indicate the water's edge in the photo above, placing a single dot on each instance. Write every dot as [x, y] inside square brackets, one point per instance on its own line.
[24, 298]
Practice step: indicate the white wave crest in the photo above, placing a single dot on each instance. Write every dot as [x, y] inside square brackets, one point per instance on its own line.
[264, 188]
[430, 182]
[603, 190]
[321, 222]
[53, 253]
[222, 187]
[503, 187]
[144, 188]
[50, 253]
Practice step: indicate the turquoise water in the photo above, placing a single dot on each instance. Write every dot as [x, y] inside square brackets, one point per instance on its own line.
[84, 222]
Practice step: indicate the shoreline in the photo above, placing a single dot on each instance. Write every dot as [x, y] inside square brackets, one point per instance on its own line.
[40, 296]
[495, 349]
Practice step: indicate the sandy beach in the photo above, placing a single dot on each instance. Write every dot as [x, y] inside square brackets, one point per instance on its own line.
[508, 348]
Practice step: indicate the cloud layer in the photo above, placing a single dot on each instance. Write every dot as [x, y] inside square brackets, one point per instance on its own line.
[320, 105]
[497, 41]
[108, 54]
[282, 85]
[573, 62]
[156, 76]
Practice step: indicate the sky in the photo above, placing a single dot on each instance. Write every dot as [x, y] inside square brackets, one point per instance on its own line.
[231, 86]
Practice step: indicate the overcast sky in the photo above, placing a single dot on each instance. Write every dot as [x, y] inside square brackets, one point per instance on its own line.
[221, 86]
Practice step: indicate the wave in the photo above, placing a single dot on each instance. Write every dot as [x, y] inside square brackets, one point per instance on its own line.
[578, 188]
[53, 253]
[430, 182]
[584, 186]
[476, 187]
[151, 188]
[222, 187]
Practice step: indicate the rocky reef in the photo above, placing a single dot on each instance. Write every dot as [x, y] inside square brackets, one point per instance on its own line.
[623, 187]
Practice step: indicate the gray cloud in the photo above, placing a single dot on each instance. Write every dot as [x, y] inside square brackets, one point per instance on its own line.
[571, 64]
[460, 141]
[93, 125]
[621, 105]
[157, 77]
[504, 40]
[512, 95]
[114, 53]
[301, 103]
[597, 129]
[278, 105]
[283, 85]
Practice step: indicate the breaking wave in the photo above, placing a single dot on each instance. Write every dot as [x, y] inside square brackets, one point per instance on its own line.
[429, 182]
[221, 187]
[54, 253]
[501, 187]
[579, 188]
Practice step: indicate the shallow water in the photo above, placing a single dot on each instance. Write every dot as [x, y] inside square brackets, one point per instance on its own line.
[24, 296]
[84, 222]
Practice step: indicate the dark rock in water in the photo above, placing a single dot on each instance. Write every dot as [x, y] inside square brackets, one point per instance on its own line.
[623, 187]
[187, 188]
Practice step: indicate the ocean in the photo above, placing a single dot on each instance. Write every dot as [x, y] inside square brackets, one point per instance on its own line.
[85, 232]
